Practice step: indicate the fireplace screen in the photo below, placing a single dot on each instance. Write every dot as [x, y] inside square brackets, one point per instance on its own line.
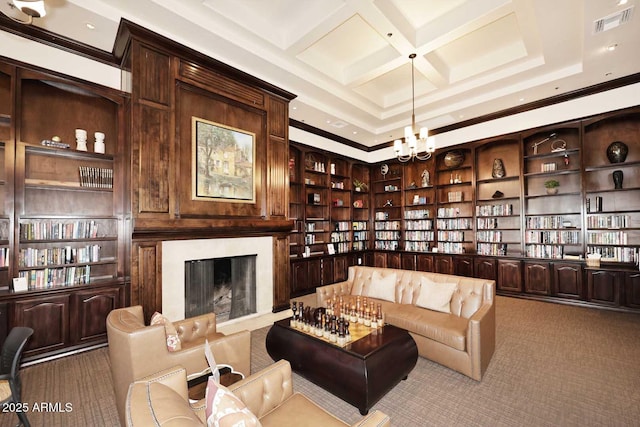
[226, 286]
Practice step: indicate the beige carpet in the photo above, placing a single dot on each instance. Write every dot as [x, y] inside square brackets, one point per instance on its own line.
[554, 365]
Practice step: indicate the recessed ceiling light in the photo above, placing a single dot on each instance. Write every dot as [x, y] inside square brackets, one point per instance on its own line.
[90, 26]
[355, 132]
[612, 47]
[328, 121]
[294, 107]
[622, 2]
[521, 99]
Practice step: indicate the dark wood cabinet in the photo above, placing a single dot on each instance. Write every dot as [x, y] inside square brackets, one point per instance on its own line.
[424, 262]
[89, 312]
[603, 286]
[463, 266]
[408, 261]
[394, 260]
[537, 278]
[632, 289]
[306, 275]
[380, 259]
[509, 275]
[567, 280]
[443, 264]
[486, 268]
[341, 265]
[49, 318]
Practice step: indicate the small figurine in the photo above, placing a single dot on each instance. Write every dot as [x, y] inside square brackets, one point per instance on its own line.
[389, 202]
[425, 178]
[81, 140]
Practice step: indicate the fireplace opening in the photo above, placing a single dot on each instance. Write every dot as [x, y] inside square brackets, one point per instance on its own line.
[226, 286]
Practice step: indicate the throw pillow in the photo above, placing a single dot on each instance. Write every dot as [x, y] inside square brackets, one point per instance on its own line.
[173, 341]
[382, 287]
[224, 409]
[435, 296]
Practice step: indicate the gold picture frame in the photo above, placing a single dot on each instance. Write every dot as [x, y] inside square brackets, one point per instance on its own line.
[223, 162]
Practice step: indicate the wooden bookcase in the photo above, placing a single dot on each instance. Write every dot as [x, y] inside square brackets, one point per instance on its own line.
[62, 227]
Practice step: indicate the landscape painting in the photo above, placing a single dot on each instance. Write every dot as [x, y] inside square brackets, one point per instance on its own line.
[223, 162]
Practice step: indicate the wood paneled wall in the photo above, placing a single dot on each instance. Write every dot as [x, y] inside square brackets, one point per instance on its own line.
[171, 84]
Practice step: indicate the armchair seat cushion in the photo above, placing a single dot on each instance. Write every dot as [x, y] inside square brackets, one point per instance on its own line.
[446, 328]
[299, 411]
[164, 405]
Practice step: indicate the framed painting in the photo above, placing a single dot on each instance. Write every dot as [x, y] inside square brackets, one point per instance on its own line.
[223, 167]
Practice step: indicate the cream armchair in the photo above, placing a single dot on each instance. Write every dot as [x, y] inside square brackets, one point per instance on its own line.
[137, 350]
[161, 400]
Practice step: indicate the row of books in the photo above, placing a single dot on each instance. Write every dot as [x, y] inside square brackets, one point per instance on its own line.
[49, 230]
[494, 210]
[454, 224]
[35, 257]
[616, 254]
[492, 249]
[423, 224]
[54, 277]
[96, 177]
[552, 237]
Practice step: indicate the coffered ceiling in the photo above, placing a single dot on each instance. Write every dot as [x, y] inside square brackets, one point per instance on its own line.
[347, 60]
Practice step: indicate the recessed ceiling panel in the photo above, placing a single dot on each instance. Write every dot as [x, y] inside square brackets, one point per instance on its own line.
[277, 21]
[394, 87]
[486, 48]
[420, 12]
[342, 47]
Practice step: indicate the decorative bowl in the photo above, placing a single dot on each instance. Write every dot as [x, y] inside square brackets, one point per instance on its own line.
[453, 159]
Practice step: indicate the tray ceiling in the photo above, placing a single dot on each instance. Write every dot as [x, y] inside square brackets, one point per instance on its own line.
[347, 60]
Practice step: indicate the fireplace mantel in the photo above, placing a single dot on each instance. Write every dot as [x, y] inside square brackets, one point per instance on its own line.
[203, 228]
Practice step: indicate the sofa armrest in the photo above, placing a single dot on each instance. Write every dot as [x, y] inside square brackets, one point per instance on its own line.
[374, 419]
[325, 293]
[196, 328]
[481, 339]
[235, 350]
[266, 389]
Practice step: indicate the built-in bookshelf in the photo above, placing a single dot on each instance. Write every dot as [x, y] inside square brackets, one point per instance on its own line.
[317, 218]
[553, 192]
[612, 193]
[296, 203]
[361, 182]
[387, 199]
[455, 197]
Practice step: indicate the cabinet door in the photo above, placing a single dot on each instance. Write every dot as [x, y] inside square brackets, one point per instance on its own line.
[424, 262]
[509, 275]
[463, 266]
[298, 277]
[314, 279]
[379, 259]
[340, 268]
[443, 264]
[485, 268]
[567, 280]
[632, 289]
[90, 309]
[603, 287]
[49, 319]
[393, 260]
[537, 278]
[408, 261]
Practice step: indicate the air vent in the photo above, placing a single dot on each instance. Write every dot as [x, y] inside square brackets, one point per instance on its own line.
[612, 21]
[339, 124]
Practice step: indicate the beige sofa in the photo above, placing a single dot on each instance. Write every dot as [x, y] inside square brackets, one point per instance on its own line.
[463, 339]
[137, 350]
[161, 400]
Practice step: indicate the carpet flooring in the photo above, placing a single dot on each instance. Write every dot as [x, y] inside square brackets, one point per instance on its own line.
[554, 365]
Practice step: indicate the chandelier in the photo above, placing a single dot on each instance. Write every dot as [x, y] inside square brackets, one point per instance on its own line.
[31, 8]
[411, 131]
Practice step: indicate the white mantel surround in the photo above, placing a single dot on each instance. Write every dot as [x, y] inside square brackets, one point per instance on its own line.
[176, 252]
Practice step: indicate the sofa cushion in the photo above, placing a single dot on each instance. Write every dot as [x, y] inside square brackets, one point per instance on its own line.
[444, 328]
[224, 409]
[381, 287]
[173, 342]
[298, 411]
[435, 296]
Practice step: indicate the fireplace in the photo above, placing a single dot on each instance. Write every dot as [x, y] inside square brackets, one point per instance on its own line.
[176, 254]
[226, 286]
